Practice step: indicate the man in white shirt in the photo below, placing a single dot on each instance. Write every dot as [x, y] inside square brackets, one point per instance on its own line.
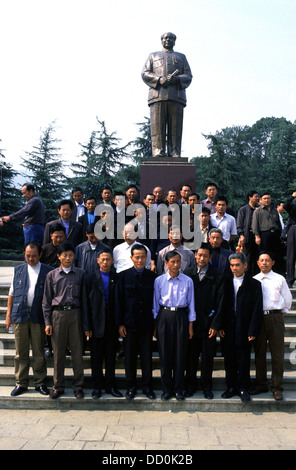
[122, 252]
[224, 221]
[277, 301]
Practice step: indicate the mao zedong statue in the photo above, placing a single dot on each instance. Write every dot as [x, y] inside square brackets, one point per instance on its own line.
[167, 73]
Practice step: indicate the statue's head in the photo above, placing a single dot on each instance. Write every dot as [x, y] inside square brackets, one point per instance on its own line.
[168, 40]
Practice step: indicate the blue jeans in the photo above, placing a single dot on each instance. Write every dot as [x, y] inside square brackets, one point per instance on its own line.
[33, 233]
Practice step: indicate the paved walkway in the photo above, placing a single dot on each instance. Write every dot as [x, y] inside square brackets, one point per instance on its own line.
[147, 430]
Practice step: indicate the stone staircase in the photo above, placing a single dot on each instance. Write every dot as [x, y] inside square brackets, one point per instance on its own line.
[33, 400]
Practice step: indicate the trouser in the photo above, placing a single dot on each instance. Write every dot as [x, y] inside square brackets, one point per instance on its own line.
[33, 233]
[273, 333]
[166, 120]
[271, 241]
[205, 347]
[103, 349]
[237, 365]
[291, 254]
[66, 331]
[141, 343]
[251, 250]
[172, 336]
[26, 333]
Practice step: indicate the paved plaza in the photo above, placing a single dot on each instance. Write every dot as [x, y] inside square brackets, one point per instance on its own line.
[145, 430]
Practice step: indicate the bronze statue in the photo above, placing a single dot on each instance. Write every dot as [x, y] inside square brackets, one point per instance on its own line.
[168, 74]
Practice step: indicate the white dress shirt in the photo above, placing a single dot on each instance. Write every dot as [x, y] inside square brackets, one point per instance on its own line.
[226, 224]
[122, 256]
[275, 290]
[237, 282]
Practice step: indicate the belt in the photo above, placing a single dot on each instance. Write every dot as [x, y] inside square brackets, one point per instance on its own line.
[173, 309]
[25, 225]
[64, 307]
[269, 312]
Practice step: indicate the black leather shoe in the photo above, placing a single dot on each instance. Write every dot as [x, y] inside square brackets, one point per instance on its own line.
[188, 393]
[150, 394]
[56, 394]
[229, 393]
[114, 392]
[96, 393]
[165, 396]
[18, 390]
[244, 396]
[130, 393]
[42, 389]
[79, 393]
[208, 394]
[180, 396]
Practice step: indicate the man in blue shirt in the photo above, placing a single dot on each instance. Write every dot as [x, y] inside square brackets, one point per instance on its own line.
[174, 311]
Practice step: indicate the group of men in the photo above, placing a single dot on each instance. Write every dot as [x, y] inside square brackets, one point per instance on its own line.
[81, 286]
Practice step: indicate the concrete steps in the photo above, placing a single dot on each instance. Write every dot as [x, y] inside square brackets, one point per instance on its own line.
[33, 400]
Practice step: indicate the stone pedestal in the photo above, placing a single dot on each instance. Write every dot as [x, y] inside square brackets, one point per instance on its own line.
[166, 172]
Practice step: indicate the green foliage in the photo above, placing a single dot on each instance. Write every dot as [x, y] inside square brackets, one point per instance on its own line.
[46, 173]
[260, 157]
[100, 160]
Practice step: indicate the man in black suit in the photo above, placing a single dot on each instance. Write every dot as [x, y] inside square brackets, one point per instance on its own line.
[220, 256]
[242, 323]
[73, 229]
[209, 305]
[246, 235]
[134, 301]
[86, 253]
[78, 207]
[99, 323]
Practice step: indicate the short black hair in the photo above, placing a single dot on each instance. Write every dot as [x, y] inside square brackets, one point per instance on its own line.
[56, 227]
[205, 246]
[66, 246]
[36, 245]
[65, 202]
[137, 246]
[171, 254]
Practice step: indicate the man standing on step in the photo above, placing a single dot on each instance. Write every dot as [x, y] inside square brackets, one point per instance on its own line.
[98, 322]
[242, 320]
[277, 301]
[62, 303]
[24, 312]
[133, 309]
[174, 312]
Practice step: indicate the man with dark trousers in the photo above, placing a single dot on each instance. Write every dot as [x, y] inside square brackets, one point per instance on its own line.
[291, 239]
[242, 324]
[99, 325]
[174, 313]
[209, 305]
[134, 301]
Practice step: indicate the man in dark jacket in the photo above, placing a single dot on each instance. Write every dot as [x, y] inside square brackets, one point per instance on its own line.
[86, 253]
[242, 323]
[24, 312]
[246, 235]
[99, 325]
[209, 305]
[134, 301]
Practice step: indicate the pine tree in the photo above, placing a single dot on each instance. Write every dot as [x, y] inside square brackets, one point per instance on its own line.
[45, 167]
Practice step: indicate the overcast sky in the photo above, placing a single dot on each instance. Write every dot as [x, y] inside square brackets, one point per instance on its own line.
[72, 61]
